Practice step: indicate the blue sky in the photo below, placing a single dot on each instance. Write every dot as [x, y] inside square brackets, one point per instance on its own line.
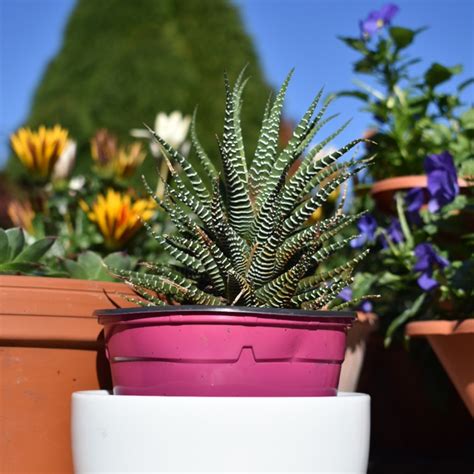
[287, 33]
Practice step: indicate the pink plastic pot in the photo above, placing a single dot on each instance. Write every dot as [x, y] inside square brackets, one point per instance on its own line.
[225, 351]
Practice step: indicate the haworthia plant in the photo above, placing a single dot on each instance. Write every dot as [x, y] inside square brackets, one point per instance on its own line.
[245, 238]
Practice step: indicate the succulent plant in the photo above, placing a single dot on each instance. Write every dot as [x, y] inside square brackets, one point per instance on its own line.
[243, 236]
[17, 257]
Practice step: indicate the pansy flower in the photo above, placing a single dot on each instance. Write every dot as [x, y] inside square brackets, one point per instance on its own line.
[442, 180]
[395, 233]
[367, 226]
[377, 19]
[427, 260]
[346, 295]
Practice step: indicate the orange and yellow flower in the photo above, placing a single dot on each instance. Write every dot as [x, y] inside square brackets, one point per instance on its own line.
[112, 160]
[118, 216]
[128, 159]
[39, 151]
[22, 215]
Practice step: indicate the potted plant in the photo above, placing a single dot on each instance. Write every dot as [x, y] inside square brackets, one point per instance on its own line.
[50, 343]
[412, 117]
[424, 269]
[241, 309]
[244, 322]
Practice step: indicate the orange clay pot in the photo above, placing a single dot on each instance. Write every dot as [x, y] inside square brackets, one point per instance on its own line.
[49, 348]
[384, 191]
[357, 336]
[453, 343]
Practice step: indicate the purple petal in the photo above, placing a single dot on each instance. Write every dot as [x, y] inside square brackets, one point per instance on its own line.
[414, 199]
[395, 231]
[366, 306]
[442, 180]
[426, 282]
[387, 12]
[359, 241]
[346, 294]
[367, 226]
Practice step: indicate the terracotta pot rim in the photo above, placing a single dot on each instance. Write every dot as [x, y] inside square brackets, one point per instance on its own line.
[183, 313]
[440, 327]
[59, 283]
[406, 182]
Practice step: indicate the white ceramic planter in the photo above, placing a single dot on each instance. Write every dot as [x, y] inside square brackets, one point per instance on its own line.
[112, 433]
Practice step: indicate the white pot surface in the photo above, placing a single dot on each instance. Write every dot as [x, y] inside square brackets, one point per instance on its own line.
[112, 433]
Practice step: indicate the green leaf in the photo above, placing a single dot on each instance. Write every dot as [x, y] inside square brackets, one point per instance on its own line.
[18, 267]
[354, 43]
[75, 270]
[437, 74]
[402, 37]
[5, 250]
[16, 240]
[465, 84]
[409, 313]
[356, 94]
[35, 251]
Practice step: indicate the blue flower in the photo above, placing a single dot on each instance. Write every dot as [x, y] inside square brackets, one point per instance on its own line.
[427, 259]
[414, 200]
[366, 306]
[442, 180]
[377, 19]
[367, 226]
[346, 294]
[395, 233]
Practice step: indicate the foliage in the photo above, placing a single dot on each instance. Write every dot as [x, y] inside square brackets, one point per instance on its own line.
[424, 267]
[413, 116]
[245, 239]
[121, 61]
[17, 257]
[87, 224]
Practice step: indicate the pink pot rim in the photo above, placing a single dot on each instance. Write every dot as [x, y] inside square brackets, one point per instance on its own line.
[200, 314]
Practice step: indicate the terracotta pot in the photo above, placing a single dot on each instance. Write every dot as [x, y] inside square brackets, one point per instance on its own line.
[49, 348]
[384, 191]
[357, 336]
[453, 343]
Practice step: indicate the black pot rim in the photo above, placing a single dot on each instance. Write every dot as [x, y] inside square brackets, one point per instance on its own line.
[110, 315]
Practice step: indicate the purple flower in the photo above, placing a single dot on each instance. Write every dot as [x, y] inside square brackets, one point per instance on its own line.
[346, 294]
[427, 258]
[366, 306]
[367, 226]
[394, 232]
[414, 200]
[377, 19]
[442, 180]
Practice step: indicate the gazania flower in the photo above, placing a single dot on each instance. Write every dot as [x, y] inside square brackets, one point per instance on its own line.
[117, 216]
[103, 147]
[128, 159]
[39, 151]
[22, 215]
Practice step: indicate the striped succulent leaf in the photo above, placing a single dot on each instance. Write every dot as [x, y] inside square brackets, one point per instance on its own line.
[243, 237]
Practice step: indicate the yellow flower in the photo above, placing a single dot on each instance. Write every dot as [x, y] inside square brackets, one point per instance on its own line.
[128, 160]
[103, 147]
[118, 216]
[39, 151]
[22, 215]
[316, 215]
